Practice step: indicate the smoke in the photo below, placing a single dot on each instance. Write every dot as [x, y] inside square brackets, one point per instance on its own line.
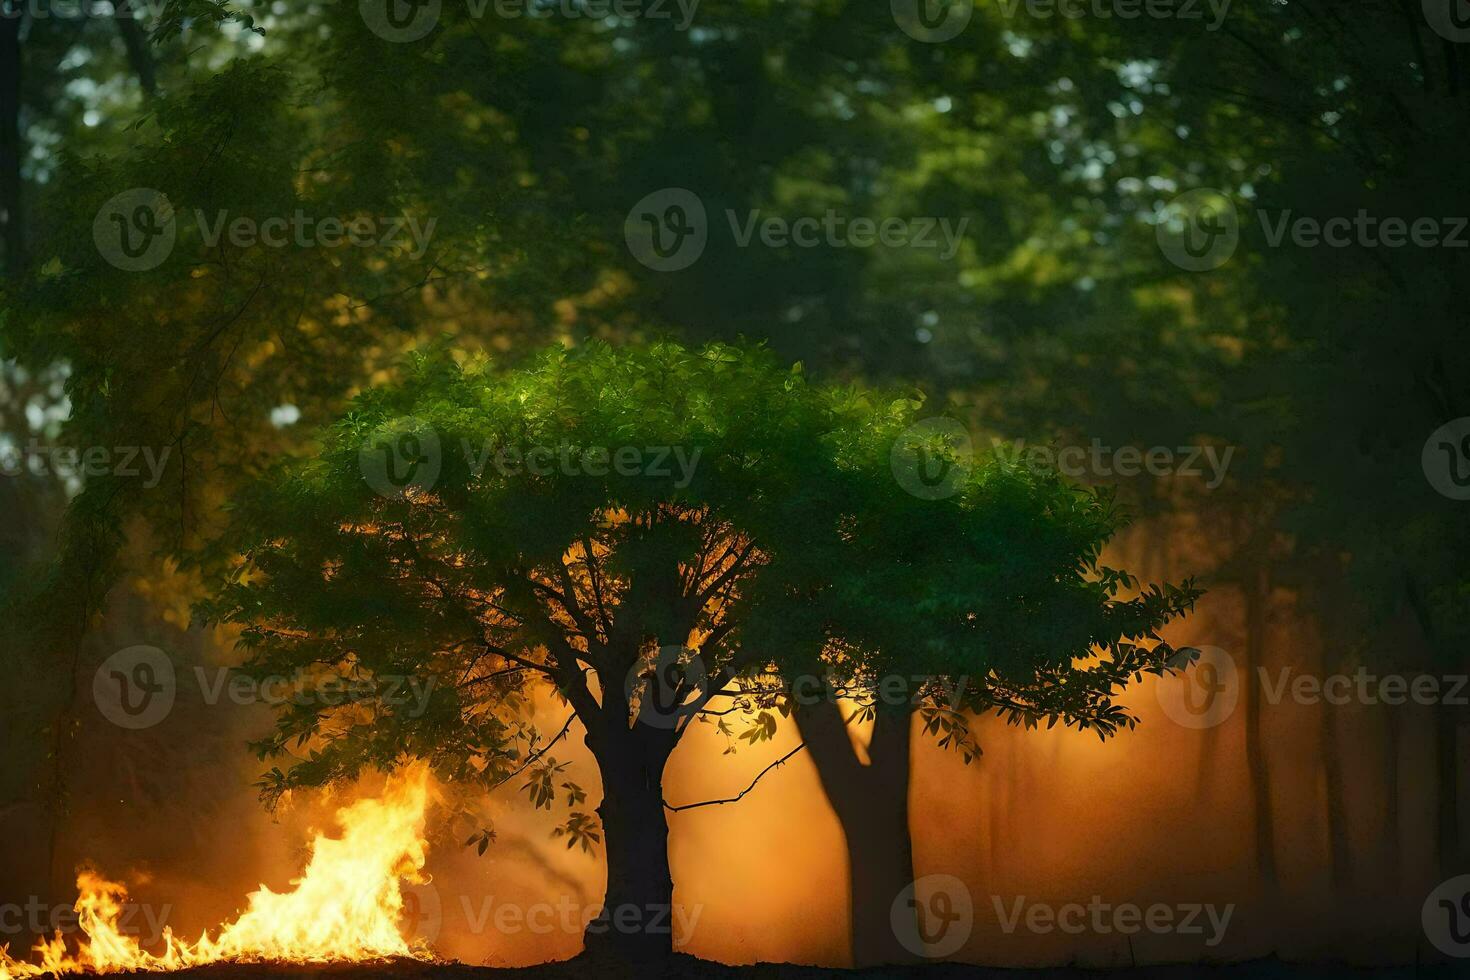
[1055, 837]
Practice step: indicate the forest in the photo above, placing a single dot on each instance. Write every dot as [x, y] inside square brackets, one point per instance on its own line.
[734, 487]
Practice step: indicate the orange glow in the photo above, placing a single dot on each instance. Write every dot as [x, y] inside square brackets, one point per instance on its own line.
[345, 906]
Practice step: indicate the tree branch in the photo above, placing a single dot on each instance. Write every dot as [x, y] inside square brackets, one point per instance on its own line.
[738, 796]
[534, 756]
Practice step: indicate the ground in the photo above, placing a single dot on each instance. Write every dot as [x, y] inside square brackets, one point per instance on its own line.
[685, 966]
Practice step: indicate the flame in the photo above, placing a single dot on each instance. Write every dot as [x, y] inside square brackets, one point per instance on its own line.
[345, 906]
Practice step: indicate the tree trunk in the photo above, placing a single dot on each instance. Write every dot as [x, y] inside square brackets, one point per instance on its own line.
[871, 803]
[1447, 777]
[1258, 594]
[1448, 848]
[1339, 843]
[1392, 844]
[637, 919]
[140, 56]
[12, 229]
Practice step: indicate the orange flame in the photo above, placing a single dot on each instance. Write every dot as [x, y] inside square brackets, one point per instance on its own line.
[345, 906]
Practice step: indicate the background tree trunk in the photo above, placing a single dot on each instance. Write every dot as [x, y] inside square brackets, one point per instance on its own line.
[1447, 773]
[1257, 597]
[12, 228]
[871, 803]
[1339, 843]
[1393, 852]
[140, 55]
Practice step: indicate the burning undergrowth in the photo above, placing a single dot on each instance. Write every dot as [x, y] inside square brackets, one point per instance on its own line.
[345, 907]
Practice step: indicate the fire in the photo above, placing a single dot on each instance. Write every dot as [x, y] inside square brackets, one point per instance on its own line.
[345, 906]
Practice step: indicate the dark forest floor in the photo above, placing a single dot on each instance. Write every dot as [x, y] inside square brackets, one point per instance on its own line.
[687, 966]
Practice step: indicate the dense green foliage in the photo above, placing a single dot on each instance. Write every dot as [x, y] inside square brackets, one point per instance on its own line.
[567, 521]
[525, 141]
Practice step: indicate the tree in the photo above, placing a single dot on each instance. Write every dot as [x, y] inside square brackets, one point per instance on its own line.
[649, 530]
